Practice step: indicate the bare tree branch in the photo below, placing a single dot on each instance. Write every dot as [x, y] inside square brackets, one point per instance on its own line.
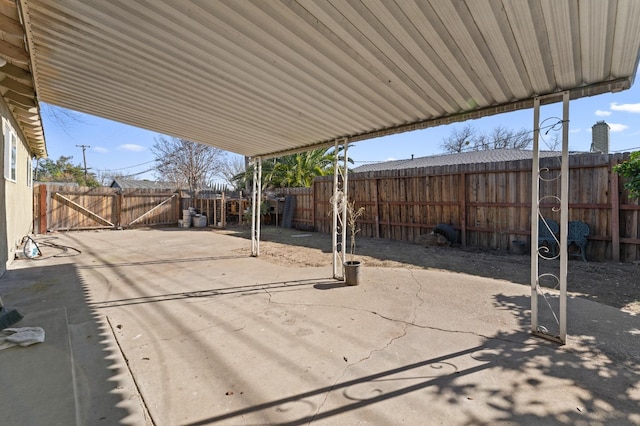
[187, 163]
[232, 167]
[461, 139]
[468, 139]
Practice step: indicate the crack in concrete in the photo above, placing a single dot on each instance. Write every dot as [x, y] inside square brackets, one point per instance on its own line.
[412, 322]
[405, 328]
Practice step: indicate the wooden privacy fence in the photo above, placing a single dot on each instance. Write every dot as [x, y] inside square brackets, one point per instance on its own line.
[304, 207]
[489, 204]
[59, 207]
[213, 208]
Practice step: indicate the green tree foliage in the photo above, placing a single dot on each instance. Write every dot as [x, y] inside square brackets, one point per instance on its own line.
[291, 171]
[62, 170]
[299, 170]
[630, 169]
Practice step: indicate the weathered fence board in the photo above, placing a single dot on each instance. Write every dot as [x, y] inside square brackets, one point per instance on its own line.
[489, 204]
[66, 207]
[58, 207]
[146, 207]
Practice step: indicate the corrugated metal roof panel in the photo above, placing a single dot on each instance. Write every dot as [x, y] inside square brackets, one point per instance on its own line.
[267, 77]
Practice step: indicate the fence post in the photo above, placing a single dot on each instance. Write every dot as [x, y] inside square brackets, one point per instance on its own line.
[376, 210]
[313, 205]
[42, 214]
[615, 214]
[120, 202]
[223, 212]
[462, 194]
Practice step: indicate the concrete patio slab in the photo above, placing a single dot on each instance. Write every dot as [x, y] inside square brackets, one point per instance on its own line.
[39, 374]
[186, 330]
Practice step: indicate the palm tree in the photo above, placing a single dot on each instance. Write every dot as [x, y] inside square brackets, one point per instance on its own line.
[295, 170]
[299, 170]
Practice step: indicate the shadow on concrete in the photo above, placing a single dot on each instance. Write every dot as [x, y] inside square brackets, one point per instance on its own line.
[330, 285]
[539, 374]
[222, 291]
[161, 262]
[358, 402]
[77, 358]
[534, 375]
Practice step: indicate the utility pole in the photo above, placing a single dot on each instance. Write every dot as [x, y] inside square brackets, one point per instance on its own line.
[84, 157]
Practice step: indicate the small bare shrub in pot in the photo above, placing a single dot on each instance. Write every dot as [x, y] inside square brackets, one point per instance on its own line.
[352, 266]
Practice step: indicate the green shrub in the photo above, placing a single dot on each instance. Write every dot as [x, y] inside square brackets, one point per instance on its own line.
[630, 169]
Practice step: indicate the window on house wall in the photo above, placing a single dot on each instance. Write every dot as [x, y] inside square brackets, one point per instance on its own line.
[14, 157]
[29, 172]
[10, 151]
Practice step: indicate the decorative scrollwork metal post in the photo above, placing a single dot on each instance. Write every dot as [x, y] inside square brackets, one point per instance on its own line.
[339, 208]
[557, 311]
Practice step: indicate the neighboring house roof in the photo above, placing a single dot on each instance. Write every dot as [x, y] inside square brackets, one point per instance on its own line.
[139, 184]
[471, 157]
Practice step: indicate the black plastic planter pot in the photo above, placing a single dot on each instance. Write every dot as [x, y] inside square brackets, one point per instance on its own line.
[352, 272]
[519, 247]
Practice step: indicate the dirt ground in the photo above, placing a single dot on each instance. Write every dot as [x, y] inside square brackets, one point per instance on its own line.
[613, 284]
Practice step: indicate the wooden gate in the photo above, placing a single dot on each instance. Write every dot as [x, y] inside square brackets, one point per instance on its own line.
[76, 208]
[147, 207]
[69, 208]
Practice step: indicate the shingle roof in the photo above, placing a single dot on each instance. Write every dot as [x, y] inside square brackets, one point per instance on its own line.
[139, 184]
[471, 157]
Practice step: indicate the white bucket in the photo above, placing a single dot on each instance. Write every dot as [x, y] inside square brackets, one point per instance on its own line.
[199, 221]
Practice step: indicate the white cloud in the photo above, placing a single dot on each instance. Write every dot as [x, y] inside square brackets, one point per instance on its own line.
[391, 159]
[616, 127]
[131, 147]
[626, 107]
[601, 113]
[577, 130]
[100, 149]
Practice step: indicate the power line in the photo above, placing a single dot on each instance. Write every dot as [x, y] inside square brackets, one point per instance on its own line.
[140, 173]
[129, 167]
[627, 149]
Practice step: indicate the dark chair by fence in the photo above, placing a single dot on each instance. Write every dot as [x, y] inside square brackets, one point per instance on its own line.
[578, 233]
[548, 231]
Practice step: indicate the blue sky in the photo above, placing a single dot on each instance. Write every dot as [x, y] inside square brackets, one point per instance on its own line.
[119, 147]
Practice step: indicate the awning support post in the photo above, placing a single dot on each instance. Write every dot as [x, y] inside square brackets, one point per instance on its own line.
[537, 220]
[256, 199]
[339, 209]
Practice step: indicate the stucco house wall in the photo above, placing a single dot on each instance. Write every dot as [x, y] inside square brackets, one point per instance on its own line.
[16, 195]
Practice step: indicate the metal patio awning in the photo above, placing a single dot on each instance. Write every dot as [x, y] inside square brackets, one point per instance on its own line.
[262, 78]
